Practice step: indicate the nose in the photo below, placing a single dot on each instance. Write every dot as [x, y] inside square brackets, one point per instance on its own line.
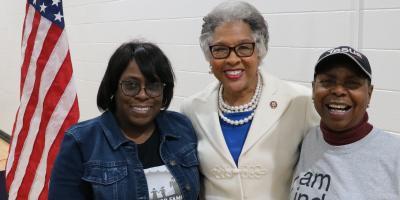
[142, 94]
[338, 90]
[232, 59]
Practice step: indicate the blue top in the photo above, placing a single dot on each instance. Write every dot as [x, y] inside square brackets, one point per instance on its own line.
[235, 136]
[96, 161]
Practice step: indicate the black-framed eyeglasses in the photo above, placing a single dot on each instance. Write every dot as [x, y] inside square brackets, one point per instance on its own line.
[241, 50]
[132, 88]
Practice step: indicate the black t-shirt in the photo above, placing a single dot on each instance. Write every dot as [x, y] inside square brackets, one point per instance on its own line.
[149, 151]
[160, 182]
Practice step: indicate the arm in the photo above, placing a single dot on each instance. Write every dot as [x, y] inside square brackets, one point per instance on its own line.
[65, 181]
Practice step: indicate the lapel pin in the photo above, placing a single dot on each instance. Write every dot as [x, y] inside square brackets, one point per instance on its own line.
[273, 104]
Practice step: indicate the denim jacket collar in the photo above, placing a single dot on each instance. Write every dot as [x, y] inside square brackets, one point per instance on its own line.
[116, 138]
[165, 127]
[112, 130]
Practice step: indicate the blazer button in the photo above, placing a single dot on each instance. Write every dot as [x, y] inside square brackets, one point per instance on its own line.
[172, 162]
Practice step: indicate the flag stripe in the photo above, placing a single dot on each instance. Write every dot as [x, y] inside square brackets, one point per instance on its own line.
[29, 44]
[50, 93]
[27, 24]
[60, 113]
[48, 101]
[17, 126]
[34, 107]
[74, 115]
[23, 27]
[28, 98]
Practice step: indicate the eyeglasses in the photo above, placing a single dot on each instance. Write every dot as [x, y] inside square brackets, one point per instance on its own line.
[351, 84]
[241, 50]
[132, 88]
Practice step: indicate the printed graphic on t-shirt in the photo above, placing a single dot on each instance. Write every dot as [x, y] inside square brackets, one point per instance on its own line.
[310, 185]
[162, 185]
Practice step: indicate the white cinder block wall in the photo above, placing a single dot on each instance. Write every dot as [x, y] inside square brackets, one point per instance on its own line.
[300, 31]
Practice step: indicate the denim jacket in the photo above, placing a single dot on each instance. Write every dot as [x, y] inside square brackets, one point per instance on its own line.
[96, 161]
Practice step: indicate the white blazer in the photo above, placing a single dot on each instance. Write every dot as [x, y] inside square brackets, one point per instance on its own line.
[270, 151]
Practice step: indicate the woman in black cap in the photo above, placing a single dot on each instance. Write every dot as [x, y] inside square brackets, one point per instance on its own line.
[346, 157]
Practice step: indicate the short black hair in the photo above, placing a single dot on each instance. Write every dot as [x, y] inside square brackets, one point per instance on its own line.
[339, 59]
[152, 62]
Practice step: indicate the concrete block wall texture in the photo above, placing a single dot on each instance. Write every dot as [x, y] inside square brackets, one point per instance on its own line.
[300, 31]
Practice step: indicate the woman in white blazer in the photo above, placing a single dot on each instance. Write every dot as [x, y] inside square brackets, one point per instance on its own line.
[249, 123]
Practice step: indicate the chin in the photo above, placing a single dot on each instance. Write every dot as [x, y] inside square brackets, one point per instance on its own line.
[235, 86]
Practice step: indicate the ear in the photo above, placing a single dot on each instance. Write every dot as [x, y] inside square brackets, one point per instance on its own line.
[259, 60]
[210, 69]
[313, 89]
[370, 90]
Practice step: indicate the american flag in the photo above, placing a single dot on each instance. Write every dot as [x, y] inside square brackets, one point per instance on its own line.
[48, 101]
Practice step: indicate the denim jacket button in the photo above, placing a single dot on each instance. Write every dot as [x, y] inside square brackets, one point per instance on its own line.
[172, 162]
[187, 187]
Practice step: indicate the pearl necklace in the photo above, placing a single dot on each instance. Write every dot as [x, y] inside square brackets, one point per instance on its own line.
[251, 106]
[241, 108]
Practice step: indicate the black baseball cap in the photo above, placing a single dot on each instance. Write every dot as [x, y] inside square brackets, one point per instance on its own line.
[358, 58]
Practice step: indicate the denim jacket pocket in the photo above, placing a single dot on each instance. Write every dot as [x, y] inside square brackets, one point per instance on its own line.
[108, 179]
[105, 173]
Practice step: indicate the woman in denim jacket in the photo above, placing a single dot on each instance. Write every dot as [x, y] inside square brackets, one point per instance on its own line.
[136, 149]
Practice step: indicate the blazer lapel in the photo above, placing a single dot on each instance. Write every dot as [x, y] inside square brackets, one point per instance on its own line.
[266, 114]
[208, 121]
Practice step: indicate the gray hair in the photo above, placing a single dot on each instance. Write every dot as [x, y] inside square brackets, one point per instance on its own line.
[229, 11]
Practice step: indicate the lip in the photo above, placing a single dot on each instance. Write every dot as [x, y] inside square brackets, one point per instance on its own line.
[233, 74]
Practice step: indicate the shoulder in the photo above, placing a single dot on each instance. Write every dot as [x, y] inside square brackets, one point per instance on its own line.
[171, 122]
[86, 129]
[86, 124]
[199, 98]
[298, 89]
[293, 88]
[204, 94]
[293, 97]
[294, 93]
[388, 140]
[168, 116]
[283, 87]
[386, 147]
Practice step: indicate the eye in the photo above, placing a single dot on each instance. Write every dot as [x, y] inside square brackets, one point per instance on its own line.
[352, 84]
[130, 84]
[244, 47]
[327, 83]
[154, 86]
[219, 48]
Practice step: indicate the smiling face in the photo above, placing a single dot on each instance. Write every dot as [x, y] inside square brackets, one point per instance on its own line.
[138, 112]
[341, 97]
[237, 74]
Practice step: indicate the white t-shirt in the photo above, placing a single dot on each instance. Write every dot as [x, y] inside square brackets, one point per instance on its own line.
[161, 184]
